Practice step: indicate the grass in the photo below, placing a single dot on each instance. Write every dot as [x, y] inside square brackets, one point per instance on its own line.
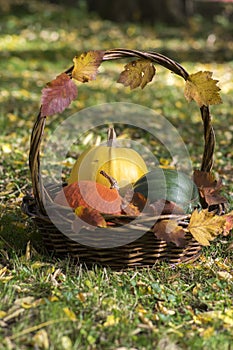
[55, 304]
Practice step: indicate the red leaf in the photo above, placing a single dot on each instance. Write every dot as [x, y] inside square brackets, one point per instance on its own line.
[170, 231]
[57, 95]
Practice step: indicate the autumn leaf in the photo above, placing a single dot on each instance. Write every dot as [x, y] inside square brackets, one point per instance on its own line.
[137, 73]
[205, 226]
[163, 207]
[70, 314]
[201, 88]
[57, 95]
[40, 340]
[170, 231]
[111, 320]
[133, 203]
[90, 216]
[209, 188]
[86, 65]
[228, 223]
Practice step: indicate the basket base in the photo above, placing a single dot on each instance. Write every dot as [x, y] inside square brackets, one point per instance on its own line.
[144, 251]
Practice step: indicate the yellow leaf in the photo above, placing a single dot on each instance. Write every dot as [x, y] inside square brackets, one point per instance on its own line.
[205, 226]
[2, 314]
[206, 317]
[111, 321]
[201, 88]
[41, 339]
[137, 73]
[81, 297]
[70, 314]
[66, 343]
[208, 332]
[86, 65]
[140, 309]
[225, 275]
[53, 298]
[6, 148]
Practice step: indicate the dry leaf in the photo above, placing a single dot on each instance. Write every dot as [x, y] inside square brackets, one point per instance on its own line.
[228, 224]
[164, 207]
[111, 321]
[70, 314]
[205, 226]
[86, 65]
[137, 73]
[41, 340]
[90, 216]
[170, 231]
[209, 188]
[201, 88]
[57, 95]
[133, 203]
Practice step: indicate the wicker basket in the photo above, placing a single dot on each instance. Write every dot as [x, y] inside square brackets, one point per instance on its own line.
[142, 251]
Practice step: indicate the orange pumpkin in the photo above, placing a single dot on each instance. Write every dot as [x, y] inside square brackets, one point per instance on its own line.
[90, 194]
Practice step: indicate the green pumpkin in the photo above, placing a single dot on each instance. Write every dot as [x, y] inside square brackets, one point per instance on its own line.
[169, 184]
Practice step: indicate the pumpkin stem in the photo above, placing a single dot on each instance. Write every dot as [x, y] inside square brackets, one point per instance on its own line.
[111, 180]
[112, 141]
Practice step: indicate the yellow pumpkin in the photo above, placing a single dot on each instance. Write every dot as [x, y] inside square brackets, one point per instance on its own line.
[125, 165]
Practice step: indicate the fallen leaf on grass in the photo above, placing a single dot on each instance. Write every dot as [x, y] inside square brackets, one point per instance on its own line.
[86, 65]
[225, 275]
[170, 231]
[70, 314]
[57, 95]
[137, 73]
[41, 340]
[228, 224]
[225, 316]
[201, 88]
[205, 226]
[111, 320]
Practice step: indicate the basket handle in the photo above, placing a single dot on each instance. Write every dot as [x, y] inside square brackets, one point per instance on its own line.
[37, 132]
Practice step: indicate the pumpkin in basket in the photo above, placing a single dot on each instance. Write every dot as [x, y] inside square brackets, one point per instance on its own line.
[171, 185]
[90, 194]
[125, 165]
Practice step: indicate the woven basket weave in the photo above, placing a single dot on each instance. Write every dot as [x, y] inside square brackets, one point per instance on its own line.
[146, 250]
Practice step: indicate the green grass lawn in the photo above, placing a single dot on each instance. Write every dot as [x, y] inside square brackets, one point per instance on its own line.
[55, 304]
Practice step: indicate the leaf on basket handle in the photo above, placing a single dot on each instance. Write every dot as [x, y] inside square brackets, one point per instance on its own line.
[201, 88]
[87, 217]
[86, 65]
[170, 231]
[205, 226]
[57, 95]
[209, 188]
[137, 73]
